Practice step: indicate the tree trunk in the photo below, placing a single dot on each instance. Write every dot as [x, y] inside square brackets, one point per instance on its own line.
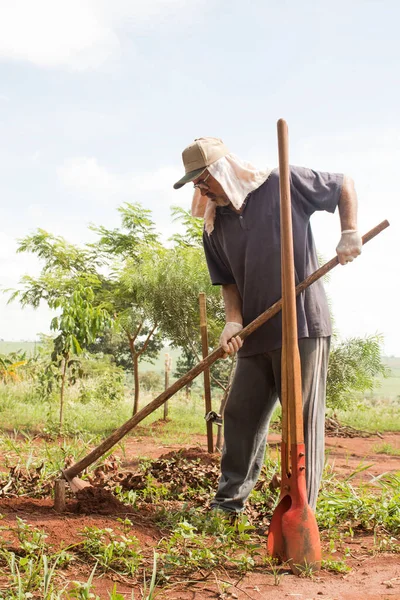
[62, 390]
[135, 368]
[136, 380]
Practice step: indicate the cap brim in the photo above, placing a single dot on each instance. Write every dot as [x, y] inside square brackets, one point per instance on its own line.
[189, 177]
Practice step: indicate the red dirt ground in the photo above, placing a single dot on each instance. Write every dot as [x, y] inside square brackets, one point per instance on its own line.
[372, 577]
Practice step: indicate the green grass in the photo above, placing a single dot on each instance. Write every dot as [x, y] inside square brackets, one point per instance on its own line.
[28, 347]
[381, 418]
[385, 448]
[21, 410]
[388, 387]
[194, 544]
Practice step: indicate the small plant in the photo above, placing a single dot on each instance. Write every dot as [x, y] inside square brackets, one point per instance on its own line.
[112, 551]
[32, 540]
[83, 591]
[335, 566]
[276, 570]
[149, 595]
[306, 570]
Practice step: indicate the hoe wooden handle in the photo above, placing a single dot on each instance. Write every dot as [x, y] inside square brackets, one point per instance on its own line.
[119, 433]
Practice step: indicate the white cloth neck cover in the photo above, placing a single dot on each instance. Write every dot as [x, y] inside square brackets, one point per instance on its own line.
[237, 177]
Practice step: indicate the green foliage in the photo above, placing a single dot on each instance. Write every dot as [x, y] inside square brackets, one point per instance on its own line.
[132, 244]
[79, 322]
[151, 381]
[118, 552]
[365, 507]
[186, 361]
[11, 366]
[106, 389]
[354, 366]
[137, 231]
[193, 234]
[188, 548]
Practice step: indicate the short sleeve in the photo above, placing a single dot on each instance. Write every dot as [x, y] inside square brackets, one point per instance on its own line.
[217, 263]
[316, 190]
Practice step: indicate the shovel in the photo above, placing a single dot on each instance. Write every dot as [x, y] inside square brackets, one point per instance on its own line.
[293, 534]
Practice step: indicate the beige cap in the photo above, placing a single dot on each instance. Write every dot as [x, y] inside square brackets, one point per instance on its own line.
[198, 156]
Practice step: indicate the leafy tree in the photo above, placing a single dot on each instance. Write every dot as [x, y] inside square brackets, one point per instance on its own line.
[169, 290]
[186, 361]
[133, 244]
[354, 366]
[137, 231]
[193, 228]
[67, 283]
[78, 325]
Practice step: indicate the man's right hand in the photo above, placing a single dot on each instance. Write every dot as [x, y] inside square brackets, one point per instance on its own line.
[229, 339]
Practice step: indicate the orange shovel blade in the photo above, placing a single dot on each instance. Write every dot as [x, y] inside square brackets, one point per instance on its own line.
[293, 535]
[301, 539]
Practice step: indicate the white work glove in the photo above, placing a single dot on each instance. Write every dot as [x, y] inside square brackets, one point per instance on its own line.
[231, 330]
[349, 246]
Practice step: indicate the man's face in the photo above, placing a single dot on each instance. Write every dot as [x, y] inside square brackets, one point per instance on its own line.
[210, 187]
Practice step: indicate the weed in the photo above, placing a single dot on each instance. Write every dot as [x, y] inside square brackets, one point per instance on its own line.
[83, 591]
[367, 507]
[306, 571]
[150, 593]
[112, 551]
[273, 565]
[335, 566]
[386, 448]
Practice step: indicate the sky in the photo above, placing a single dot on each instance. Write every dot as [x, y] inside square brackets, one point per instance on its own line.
[98, 98]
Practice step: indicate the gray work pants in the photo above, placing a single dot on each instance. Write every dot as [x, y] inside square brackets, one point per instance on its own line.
[254, 393]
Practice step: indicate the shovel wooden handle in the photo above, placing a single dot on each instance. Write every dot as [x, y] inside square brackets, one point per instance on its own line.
[119, 433]
[291, 378]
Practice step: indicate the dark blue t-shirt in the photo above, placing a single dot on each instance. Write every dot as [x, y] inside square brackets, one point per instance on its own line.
[245, 249]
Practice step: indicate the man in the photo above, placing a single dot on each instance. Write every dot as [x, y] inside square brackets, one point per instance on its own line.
[241, 209]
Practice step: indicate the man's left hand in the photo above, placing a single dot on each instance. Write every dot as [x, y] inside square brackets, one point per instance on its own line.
[349, 247]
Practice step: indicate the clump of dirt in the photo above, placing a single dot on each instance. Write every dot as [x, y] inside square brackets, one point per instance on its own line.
[98, 500]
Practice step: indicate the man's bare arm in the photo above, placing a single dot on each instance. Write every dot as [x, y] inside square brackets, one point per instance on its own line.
[233, 303]
[350, 243]
[348, 205]
[234, 319]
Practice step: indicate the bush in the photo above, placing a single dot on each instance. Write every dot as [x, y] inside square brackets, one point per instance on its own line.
[353, 367]
[106, 389]
[151, 381]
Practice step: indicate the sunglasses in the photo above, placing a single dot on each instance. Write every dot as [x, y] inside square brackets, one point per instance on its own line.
[202, 185]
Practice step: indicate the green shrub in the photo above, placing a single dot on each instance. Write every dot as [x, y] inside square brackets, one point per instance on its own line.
[151, 381]
[106, 389]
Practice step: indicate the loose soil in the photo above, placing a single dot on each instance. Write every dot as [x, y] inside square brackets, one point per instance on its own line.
[372, 576]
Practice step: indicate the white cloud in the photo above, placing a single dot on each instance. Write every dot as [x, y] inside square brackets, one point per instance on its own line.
[50, 33]
[84, 173]
[87, 175]
[78, 34]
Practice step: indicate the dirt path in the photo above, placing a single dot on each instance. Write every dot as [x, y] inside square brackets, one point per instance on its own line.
[372, 577]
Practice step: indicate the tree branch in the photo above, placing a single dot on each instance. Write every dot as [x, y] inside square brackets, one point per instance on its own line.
[147, 341]
[137, 332]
